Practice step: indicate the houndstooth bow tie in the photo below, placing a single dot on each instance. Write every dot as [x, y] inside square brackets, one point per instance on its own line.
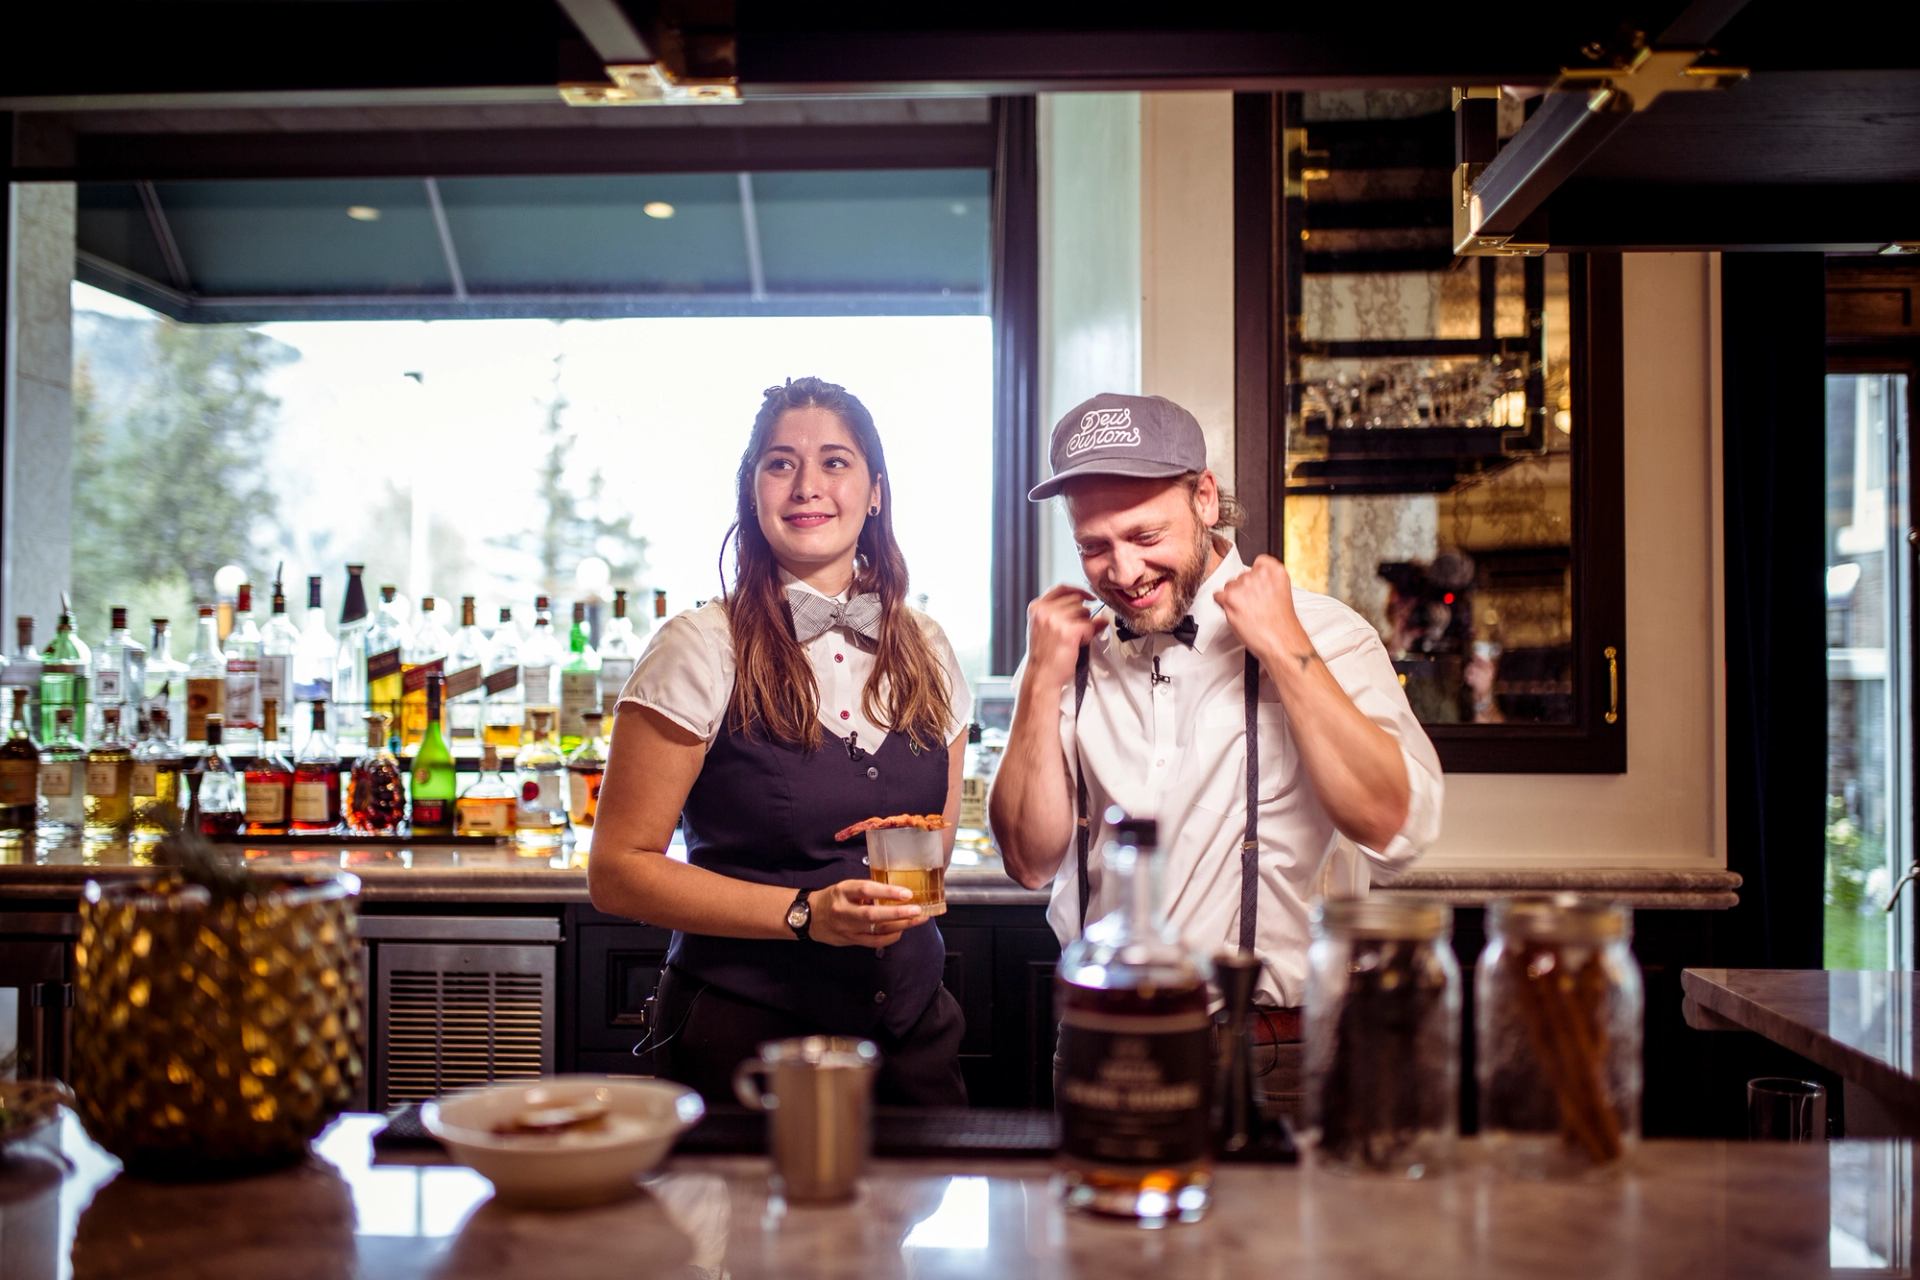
[814, 615]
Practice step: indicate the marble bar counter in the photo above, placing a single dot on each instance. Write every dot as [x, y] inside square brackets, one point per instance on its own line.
[1692, 1210]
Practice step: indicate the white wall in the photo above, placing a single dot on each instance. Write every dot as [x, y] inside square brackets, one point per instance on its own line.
[38, 383]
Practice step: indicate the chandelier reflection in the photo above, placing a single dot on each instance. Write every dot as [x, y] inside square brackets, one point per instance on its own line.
[1415, 394]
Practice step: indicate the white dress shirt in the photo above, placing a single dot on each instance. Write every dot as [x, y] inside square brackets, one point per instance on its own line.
[686, 674]
[1175, 750]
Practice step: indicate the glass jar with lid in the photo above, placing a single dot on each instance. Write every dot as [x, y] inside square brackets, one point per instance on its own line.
[1559, 1008]
[1383, 1036]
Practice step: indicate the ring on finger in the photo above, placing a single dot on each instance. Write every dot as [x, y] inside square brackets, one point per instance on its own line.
[873, 928]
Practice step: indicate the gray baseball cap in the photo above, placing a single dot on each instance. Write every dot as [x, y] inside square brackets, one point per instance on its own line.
[1116, 435]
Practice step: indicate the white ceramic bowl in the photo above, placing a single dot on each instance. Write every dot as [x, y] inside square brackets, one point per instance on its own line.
[586, 1165]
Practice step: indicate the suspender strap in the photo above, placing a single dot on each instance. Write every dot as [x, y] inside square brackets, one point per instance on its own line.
[1082, 831]
[1250, 845]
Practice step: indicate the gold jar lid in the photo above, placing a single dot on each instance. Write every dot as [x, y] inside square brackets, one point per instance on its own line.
[1382, 916]
[1561, 917]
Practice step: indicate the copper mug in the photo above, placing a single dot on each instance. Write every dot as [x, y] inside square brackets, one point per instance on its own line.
[817, 1092]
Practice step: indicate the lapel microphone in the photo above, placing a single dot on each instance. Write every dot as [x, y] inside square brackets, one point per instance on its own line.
[1157, 678]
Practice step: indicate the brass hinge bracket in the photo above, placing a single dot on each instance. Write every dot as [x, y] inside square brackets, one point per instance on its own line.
[1644, 76]
[1301, 166]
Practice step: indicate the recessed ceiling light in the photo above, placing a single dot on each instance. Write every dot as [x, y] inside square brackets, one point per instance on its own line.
[363, 213]
[657, 209]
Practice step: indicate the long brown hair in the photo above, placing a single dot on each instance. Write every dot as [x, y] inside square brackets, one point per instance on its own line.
[773, 684]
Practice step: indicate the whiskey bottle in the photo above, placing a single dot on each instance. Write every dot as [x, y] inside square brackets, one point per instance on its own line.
[269, 778]
[586, 770]
[579, 681]
[504, 717]
[110, 780]
[1135, 1048]
[156, 779]
[316, 777]
[220, 797]
[19, 774]
[424, 657]
[540, 660]
[387, 640]
[466, 671]
[63, 780]
[377, 799]
[206, 677]
[487, 807]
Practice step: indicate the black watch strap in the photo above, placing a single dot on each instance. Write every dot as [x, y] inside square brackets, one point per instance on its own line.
[802, 911]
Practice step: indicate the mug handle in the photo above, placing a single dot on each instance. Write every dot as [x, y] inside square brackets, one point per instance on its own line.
[750, 1087]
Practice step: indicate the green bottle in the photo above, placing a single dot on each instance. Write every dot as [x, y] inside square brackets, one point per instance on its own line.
[434, 784]
[579, 683]
[63, 675]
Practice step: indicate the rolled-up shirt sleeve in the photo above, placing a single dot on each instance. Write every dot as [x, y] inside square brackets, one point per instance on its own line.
[684, 675]
[1359, 662]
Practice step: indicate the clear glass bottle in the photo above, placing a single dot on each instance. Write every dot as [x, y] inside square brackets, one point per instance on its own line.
[19, 774]
[1383, 1036]
[166, 682]
[504, 717]
[487, 807]
[156, 779]
[279, 640]
[540, 819]
[63, 780]
[219, 793]
[434, 785]
[206, 677]
[620, 649]
[110, 780]
[241, 714]
[350, 659]
[424, 656]
[579, 681]
[586, 770]
[1136, 1049]
[377, 796]
[65, 673]
[314, 653]
[120, 669]
[387, 642]
[316, 776]
[23, 668]
[540, 660]
[269, 778]
[466, 674]
[1558, 1008]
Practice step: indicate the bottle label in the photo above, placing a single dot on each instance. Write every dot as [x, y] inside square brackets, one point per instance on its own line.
[582, 790]
[973, 803]
[146, 780]
[103, 778]
[486, 820]
[17, 780]
[502, 680]
[267, 804]
[414, 679]
[310, 802]
[56, 779]
[274, 684]
[384, 665]
[106, 685]
[1133, 1087]
[243, 693]
[463, 681]
[614, 673]
[540, 791]
[579, 694]
[429, 813]
[206, 696]
[538, 682]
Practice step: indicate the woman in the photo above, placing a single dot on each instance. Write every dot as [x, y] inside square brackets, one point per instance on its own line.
[806, 699]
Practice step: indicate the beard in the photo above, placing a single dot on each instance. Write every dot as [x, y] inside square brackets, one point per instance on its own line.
[1184, 581]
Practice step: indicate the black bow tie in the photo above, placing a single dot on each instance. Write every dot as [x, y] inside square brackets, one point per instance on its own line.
[1184, 631]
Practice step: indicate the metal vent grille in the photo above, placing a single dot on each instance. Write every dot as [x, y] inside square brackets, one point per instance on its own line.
[470, 1019]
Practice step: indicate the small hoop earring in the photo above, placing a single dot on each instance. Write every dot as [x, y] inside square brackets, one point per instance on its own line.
[873, 511]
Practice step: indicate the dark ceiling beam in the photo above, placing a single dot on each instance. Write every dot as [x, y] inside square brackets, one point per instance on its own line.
[1829, 218]
[1565, 131]
[448, 153]
[163, 236]
[609, 30]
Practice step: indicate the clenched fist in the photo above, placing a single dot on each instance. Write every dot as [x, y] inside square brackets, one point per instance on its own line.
[1059, 624]
[1259, 608]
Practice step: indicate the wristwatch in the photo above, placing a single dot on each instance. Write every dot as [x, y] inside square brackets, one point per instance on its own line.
[800, 915]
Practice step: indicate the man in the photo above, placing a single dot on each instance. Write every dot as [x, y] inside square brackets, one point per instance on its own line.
[1152, 712]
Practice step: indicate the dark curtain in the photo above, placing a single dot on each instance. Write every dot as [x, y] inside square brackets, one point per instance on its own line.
[1773, 357]
[1016, 375]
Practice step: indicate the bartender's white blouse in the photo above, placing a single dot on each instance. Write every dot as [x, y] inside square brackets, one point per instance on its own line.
[686, 674]
[1176, 751]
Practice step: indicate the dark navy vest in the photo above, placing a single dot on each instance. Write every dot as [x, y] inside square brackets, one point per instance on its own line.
[766, 812]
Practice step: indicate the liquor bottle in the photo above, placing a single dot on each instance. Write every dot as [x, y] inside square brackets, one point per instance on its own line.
[156, 779]
[487, 807]
[241, 715]
[110, 780]
[540, 818]
[66, 668]
[120, 669]
[314, 653]
[63, 780]
[659, 606]
[540, 659]
[387, 639]
[434, 782]
[579, 681]
[586, 769]
[466, 673]
[206, 676]
[279, 640]
[1135, 1048]
[269, 778]
[220, 796]
[166, 683]
[425, 656]
[619, 650]
[24, 667]
[504, 717]
[19, 774]
[350, 657]
[377, 798]
[316, 777]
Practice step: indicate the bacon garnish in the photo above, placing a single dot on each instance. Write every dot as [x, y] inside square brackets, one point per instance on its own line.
[919, 821]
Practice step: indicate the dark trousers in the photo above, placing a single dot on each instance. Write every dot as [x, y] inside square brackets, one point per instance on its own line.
[701, 1034]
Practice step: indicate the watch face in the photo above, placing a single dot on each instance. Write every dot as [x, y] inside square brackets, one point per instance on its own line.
[798, 915]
